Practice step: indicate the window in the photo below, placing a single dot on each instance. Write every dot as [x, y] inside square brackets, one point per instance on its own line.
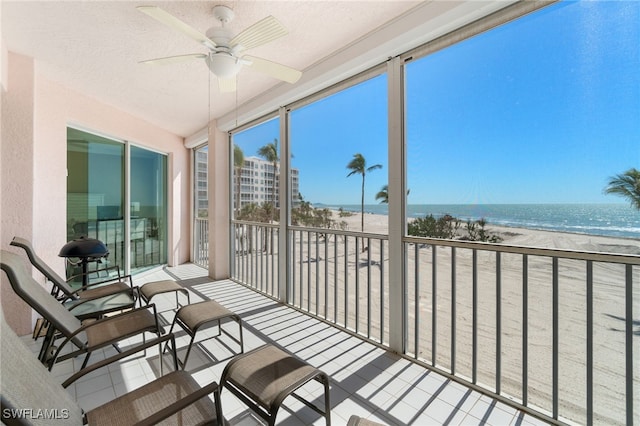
[327, 135]
[523, 125]
[256, 149]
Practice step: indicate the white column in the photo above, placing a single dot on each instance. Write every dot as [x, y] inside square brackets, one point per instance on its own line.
[397, 200]
[219, 216]
[285, 207]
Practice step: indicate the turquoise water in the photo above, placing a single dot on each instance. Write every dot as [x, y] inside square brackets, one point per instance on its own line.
[616, 220]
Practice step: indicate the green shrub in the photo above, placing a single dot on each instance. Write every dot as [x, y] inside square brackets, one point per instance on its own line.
[444, 227]
[448, 227]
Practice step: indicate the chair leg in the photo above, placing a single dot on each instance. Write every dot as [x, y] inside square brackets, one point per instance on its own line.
[170, 331]
[160, 360]
[186, 357]
[327, 400]
[46, 344]
[86, 360]
[40, 324]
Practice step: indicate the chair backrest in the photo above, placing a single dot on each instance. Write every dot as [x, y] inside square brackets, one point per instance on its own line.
[41, 266]
[29, 393]
[37, 297]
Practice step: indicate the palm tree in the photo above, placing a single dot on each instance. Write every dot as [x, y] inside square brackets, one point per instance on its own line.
[383, 195]
[238, 163]
[626, 185]
[270, 153]
[358, 165]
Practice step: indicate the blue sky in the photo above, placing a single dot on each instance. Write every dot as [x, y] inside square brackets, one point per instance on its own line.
[541, 110]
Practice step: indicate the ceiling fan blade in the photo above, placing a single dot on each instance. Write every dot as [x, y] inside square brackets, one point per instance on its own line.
[227, 85]
[175, 23]
[260, 33]
[274, 69]
[174, 59]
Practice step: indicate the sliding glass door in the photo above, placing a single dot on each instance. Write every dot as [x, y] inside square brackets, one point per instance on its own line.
[116, 192]
[148, 212]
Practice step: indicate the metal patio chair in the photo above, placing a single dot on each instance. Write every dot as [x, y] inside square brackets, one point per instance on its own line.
[87, 336]
[30, 395]
[122, 294]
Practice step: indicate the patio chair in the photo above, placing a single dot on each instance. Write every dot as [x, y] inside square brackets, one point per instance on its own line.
[86, 337]
[29, 395]
[73, 299]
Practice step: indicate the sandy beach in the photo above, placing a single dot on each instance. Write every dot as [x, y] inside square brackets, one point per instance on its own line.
[353, 283]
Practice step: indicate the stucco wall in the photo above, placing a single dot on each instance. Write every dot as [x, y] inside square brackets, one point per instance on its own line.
[35, 116]
[16, 163]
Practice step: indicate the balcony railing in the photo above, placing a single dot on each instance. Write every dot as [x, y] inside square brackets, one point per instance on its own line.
[551, 332]
[201, 242]
[256, 256]
[341, 277]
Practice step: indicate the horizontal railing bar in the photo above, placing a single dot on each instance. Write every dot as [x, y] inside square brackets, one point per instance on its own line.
[358, 234]
[629, 259]
[259, 224]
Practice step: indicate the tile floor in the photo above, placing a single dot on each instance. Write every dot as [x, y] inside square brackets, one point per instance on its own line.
[365, 380]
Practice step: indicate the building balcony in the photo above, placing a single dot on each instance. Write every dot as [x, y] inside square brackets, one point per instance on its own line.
[365, 379]
[549, 332]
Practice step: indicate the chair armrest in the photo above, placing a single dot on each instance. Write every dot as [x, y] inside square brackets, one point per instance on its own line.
[185, 402]
[81, 302]
[94, 323]
[121, 278]
[101, 320]
[120, 355]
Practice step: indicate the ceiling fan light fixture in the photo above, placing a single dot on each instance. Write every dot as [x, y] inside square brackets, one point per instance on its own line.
[223, 65]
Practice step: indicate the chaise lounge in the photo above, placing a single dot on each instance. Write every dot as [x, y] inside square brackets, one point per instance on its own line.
[86, 337]
[88, 301]
[30, 395]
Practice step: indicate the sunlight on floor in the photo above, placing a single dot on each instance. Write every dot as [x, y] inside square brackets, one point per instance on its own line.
[365, 380]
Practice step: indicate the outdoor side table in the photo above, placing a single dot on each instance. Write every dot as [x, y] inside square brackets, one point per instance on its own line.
[192, 317]
[264, 377]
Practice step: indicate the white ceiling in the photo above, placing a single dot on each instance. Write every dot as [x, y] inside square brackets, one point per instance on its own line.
[94, 48]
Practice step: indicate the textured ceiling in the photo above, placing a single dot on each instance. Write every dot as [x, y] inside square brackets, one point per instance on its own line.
[94, 47]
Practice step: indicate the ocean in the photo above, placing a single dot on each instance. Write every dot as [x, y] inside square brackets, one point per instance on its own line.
[614, 220]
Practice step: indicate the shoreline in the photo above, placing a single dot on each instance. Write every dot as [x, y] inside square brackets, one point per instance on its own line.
[529, 237]
[571, 218]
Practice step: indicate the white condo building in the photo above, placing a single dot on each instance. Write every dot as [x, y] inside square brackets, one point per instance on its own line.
[256, 182]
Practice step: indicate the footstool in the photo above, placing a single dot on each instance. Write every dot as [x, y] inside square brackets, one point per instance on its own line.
[151, 289]
[192, 317]
[264, 377]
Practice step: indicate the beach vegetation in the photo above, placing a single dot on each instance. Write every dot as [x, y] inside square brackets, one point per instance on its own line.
[254, 212]
[477, 231]
[358, 166]
[626, 185]
[445, 227]
[450, 228]
[307, 215]
[344, 213]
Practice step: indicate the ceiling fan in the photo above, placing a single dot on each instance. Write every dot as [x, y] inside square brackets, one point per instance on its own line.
[226, 52]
